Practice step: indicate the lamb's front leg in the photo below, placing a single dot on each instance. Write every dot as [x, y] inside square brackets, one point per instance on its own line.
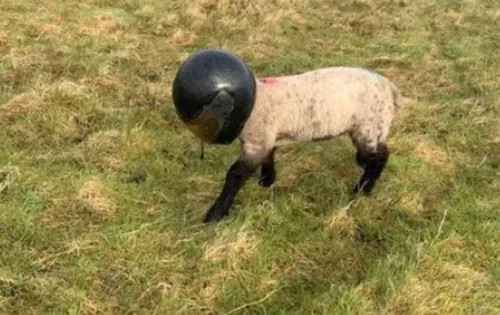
[236, 177]
[268, 171]
[239, 172]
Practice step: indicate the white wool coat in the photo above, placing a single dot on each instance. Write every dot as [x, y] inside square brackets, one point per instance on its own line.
[318, 105]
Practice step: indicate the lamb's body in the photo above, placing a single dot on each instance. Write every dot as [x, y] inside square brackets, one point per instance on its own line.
[312, 106]
[319, 105]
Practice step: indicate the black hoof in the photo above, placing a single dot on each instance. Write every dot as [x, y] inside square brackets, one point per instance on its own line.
[267, 181]
[215, 214]
[267, 175]
[359, 190]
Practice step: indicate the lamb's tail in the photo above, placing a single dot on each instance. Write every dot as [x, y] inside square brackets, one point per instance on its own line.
[399, 100]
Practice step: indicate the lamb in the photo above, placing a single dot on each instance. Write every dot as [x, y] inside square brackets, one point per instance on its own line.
[317, 105]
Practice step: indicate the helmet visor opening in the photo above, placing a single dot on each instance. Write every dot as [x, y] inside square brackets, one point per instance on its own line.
[206, 126]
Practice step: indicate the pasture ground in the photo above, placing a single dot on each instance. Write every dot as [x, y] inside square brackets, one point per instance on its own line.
[102, 190]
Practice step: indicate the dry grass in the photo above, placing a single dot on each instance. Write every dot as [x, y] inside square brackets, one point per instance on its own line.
[91, 195]
[102, 189]
[440, 288]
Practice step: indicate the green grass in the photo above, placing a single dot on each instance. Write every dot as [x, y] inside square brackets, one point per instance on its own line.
[102, 190]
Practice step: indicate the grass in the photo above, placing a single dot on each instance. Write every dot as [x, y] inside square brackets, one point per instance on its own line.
[102, 190]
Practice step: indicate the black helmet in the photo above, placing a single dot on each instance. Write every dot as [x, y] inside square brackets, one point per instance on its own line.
[214, 94]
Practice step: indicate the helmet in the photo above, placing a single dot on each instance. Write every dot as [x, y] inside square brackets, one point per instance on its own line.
[214, 94]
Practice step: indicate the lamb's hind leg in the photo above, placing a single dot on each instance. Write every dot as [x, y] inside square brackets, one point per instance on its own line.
[268, 171]
[373, 160]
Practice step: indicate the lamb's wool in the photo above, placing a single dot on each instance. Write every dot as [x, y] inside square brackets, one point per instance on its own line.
[319, 105]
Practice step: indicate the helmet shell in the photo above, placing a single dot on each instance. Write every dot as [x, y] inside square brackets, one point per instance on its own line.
[214, 93]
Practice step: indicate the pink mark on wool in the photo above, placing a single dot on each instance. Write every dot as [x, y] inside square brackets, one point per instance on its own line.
[270, 81]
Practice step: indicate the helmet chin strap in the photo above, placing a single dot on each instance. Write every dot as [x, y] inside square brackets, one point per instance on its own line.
[221, 106]
[202, 155]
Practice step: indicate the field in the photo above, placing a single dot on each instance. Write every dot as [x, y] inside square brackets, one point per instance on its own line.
[102, 189]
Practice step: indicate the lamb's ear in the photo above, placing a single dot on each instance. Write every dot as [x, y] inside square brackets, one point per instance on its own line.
[221, 105]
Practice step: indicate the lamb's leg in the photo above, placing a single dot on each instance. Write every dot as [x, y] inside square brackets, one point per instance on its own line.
[373, 162]
[268, 171]
[239, 172]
